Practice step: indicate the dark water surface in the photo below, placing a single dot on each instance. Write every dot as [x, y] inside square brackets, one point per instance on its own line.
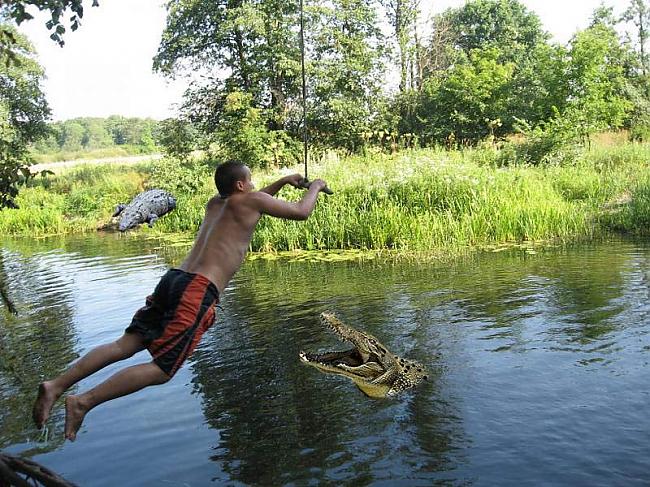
[538, 369]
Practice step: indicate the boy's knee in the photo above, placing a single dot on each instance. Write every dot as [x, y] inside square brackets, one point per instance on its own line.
[161, 376]
[164, 378]
[128, 345]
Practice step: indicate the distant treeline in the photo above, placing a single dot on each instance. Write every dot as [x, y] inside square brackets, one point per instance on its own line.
[91, 134]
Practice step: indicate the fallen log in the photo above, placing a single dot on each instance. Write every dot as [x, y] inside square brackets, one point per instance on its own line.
[21, 472]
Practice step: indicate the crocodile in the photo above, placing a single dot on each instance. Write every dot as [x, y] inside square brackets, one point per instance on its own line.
[376, 371]
[146, 207]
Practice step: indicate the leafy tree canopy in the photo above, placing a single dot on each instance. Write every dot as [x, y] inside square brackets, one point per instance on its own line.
[23, 114]
[18, 11]
[503, 24]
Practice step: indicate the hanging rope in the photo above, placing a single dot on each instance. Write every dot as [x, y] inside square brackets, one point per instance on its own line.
[305, 156]
[304, 88]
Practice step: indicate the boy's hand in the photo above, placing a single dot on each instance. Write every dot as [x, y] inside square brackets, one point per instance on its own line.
[319, 183]
[295, 180]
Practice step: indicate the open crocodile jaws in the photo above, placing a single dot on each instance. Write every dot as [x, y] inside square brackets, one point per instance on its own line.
[373, 368]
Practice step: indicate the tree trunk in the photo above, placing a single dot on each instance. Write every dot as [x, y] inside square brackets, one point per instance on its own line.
[241, 55]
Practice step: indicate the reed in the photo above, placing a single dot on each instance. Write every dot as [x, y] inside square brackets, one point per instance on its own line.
[414, 201]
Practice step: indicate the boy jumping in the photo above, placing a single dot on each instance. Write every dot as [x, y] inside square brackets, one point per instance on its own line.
[182, 306]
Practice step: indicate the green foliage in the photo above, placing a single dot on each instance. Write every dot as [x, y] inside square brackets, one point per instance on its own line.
[637, 215]
[17, 11]
[538, 88]
[485, 40]
[23, 112]
[403, 16]
[640, 132]
[345, 72]
[178, 175]
[597, 85]
[554, 142]
[638, 14]
[420, 200]
[505, 25]
[243, 135]
[256, 43]
[79, 200]
[469, 104]
[177, 137]
[638, 121]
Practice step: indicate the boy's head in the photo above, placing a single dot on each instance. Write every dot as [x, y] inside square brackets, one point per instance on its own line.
[232, 177]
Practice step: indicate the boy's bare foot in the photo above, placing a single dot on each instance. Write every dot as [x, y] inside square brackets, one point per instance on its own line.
[75, 412]
[43, 405]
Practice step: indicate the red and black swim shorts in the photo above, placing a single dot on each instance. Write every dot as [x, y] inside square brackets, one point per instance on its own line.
[175, 316]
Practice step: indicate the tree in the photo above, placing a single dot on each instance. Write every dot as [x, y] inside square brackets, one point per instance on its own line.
[441, 51]
[596, 80]
[639, 14]
[506, 25]
[17, 10]
[177, 137]
[252, 47]
[238, 45]
[23, 114]
[403, 15]
[470, 103]
[485, 36]
[95, 135]
[72, 136]
[345, 71]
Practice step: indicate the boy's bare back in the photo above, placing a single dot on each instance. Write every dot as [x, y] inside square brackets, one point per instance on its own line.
[228, 225]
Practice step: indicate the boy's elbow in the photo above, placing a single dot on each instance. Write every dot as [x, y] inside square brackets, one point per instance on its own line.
[302, 213]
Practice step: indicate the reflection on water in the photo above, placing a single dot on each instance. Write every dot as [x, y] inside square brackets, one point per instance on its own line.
[538, 369]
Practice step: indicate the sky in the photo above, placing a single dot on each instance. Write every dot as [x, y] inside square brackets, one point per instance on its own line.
[105, 67]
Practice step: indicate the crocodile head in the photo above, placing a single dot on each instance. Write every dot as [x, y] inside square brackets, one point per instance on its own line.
[371, 366]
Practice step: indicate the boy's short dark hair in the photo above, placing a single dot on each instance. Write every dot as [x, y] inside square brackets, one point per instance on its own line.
[227, 174]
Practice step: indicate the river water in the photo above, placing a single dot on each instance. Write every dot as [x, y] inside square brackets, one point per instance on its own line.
[538, 366]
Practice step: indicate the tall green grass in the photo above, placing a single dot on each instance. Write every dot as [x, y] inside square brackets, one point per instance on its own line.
[79, 200]
[420, 200]
[425, 201]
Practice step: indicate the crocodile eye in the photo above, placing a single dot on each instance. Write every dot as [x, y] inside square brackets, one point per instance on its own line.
[426, 377]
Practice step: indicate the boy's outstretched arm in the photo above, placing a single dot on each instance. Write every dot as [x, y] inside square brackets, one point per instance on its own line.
[299, 210]
[294, 180]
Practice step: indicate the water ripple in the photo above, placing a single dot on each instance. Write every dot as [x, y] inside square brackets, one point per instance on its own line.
[534, 361]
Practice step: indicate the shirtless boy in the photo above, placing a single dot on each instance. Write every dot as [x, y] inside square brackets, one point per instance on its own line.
[182, 306]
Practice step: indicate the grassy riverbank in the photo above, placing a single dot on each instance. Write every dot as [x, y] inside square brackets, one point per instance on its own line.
[421, 200]
[116, 151]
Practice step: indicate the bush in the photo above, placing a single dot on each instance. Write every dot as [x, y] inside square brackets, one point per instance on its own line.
[640, 132]
[178, 176]
[244, 136]
[554, 142]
